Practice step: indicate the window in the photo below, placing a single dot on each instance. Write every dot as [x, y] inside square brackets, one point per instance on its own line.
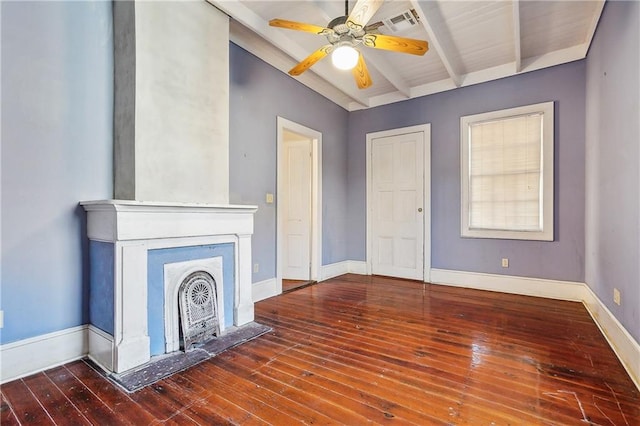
[507, 173]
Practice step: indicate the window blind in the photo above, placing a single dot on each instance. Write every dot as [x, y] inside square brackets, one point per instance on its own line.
[505, 174]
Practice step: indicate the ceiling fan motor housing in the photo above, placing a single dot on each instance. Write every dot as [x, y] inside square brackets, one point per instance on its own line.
[342, 32]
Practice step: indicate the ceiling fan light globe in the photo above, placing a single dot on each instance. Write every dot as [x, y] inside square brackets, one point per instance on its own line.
[344, 57]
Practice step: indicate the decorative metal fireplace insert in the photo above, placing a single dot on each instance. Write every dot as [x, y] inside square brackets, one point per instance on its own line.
[198, 309]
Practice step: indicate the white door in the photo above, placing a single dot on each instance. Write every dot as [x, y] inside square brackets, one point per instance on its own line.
[297, 208]
[397, 205]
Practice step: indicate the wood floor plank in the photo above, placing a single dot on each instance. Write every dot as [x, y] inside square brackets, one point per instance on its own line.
[202, 413]
[157, 400]
[112, 396]
[59, 407]
[25, 406]
[380, 356]
[83, 398]
[179, 419]
[355, 399]
[238, 394]
[357, 350]
[393, 392]
[292, 390]
[268, 403]
[7, 417]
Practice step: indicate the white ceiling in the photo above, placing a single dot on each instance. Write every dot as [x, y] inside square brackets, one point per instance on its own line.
[470, 42]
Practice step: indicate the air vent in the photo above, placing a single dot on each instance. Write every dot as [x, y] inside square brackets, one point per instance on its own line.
[401, 22]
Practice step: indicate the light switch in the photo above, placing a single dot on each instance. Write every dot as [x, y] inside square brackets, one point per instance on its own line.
[269, 198]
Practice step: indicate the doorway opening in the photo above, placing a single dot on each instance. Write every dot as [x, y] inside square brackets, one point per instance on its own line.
[298, 208]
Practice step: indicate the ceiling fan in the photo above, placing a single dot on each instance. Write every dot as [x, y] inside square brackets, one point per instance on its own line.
[344, 33]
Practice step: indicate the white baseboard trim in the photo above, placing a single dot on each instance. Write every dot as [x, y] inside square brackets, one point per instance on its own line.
[100, 348]
[30, 356]
[264, 289]
[550, 289]
[358, 267]
[623, 344]
[333, 270]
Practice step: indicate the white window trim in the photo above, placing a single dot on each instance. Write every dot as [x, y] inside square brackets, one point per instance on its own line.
[547, 233]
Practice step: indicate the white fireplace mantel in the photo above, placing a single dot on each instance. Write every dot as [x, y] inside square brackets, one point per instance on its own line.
[134, 228]
[123, 220]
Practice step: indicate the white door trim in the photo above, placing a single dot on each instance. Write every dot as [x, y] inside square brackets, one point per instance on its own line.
[316, 196]
[426, 129]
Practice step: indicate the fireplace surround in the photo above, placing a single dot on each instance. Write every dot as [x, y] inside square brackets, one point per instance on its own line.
[140, 252]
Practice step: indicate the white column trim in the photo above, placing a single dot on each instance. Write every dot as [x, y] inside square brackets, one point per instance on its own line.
[243, 312]
[130, 328]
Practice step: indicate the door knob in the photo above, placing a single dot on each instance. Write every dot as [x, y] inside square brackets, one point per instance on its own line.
[419, 209]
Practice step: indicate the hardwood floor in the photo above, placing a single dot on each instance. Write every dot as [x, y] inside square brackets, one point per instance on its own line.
[356, 350]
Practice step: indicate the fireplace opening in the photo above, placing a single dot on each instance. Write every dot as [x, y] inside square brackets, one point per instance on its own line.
[193, 303]
[198, 310]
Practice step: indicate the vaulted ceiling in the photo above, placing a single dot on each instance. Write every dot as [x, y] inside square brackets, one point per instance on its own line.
[470, 42]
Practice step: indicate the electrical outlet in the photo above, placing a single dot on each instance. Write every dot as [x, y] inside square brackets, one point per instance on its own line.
[616, 296]
[505, 262]
[256, 268]
[269, 198]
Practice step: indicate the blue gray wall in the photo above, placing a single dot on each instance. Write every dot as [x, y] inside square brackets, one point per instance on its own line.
[57, 74]
[613, 162]
[57, 101]
[562, 259]
[259, 93]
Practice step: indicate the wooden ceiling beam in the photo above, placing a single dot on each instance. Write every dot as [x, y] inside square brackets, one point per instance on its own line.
[515, 6]
[436, 44]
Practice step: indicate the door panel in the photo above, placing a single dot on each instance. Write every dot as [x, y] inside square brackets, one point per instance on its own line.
[297, 200]
[397, 184]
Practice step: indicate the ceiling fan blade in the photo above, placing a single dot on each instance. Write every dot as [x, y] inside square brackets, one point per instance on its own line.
[308, 62]
[397, 44]
[299, 26]
[361, 74]
[362, 12]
